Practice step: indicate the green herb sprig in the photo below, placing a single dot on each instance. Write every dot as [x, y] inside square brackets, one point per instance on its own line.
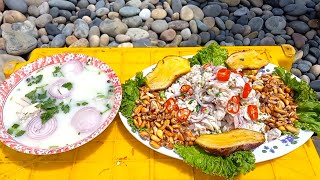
[67, 85]
[57, 72]
[14, 130]
[34, 80]
[49, 106]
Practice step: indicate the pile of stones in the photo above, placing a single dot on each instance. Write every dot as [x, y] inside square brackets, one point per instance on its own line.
[28, 24]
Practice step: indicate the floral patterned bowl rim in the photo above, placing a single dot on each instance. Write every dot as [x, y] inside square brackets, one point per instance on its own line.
[267, 151]
[9, 84]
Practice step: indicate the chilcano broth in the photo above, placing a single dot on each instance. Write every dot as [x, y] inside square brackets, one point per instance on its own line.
[58, 105]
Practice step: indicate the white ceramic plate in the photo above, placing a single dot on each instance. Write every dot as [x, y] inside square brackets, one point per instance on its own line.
[267, 151]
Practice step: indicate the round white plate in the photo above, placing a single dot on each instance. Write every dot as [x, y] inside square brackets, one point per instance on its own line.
[267, 151]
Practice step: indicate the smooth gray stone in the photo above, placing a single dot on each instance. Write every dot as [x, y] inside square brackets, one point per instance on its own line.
[61, 4]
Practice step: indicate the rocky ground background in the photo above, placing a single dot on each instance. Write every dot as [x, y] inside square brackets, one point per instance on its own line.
[28, 24]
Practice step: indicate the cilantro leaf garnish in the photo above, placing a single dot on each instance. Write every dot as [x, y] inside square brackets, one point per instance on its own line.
[34, 80]
[57, 72]
[68, 85]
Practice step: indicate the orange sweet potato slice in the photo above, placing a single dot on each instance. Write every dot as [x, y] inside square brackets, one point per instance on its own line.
[167, 71]
[226, 143]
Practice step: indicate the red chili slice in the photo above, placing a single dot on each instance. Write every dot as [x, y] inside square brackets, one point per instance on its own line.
[253, 112]
[223, 74]
[233, 105]
[171, 105]
[246, 90]
[185, 88]
[183, 114]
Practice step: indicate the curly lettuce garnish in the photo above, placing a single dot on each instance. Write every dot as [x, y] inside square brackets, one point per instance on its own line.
[240, 162]
[309, 116]
[213, 54]
[130, 93]
[302, 91]
[307, 99]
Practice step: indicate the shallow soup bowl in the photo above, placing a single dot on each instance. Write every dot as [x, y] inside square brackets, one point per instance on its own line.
[70, 115]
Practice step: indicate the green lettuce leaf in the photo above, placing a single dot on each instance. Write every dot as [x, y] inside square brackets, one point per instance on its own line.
[240, 162]
[130, 93]
[214, 54]
[307, 99]
[302, 91]
[309, 116]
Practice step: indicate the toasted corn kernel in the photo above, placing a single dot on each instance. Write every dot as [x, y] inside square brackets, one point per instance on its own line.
[180, 137]
[162, 127]
[144, 135]
[148, 125]
[293, 119]
[145, 102]
[176, 126]
[167, 133]
[154, 144]
[137, 109]
[167, 122]
[268, 110]
[155, 138]
[280, 104]
[135, 122]
[281, 111]
[169, 145]
[139, 121]
[143, 124]
[157, 124]
[281, 128]
[170, 128]
[160, 134]
[144, 110]
[171, 140]
[155, 129]
[280, 123]
[280, 90]
[291, 128]
[190, 143]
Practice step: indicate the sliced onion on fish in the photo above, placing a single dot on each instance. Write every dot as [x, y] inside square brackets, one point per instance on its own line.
[197, 118]
[86, 119]
[73, 66]
[37, 130]
[57, 91]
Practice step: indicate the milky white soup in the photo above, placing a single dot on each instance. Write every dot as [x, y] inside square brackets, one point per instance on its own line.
[58, 105]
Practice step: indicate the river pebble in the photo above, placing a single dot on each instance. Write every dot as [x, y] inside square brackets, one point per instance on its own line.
[170, 23]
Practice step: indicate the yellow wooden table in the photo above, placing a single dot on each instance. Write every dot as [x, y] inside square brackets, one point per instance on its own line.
[116, 154]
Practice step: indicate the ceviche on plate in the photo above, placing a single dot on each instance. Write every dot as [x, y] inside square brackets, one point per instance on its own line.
[220, 113]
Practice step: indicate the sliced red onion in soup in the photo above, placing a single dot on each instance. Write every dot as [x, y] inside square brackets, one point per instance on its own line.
[57, 90]
[73, 66]
[37, 130]
[86, 119]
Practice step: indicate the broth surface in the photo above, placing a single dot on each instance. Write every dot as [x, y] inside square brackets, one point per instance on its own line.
[91, 86]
